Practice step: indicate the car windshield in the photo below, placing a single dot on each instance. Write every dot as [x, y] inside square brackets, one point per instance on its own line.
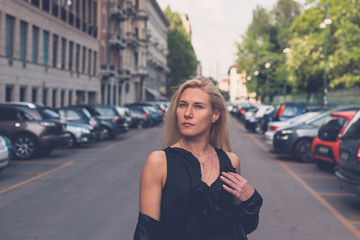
[86, 112]
[302, 118]
[106, 111]
[290, 111]
[352, 131]
[48, 114]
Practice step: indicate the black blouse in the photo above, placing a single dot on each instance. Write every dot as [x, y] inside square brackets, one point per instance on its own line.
[192, 210]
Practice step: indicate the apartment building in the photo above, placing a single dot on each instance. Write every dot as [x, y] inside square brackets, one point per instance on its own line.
[238, 90]
[49, 51]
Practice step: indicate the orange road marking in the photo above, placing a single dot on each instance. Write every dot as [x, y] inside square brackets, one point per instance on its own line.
[35, 162]
[338, 194]
[127, 139]
[317, 176]
[331, 209]
[35, 178]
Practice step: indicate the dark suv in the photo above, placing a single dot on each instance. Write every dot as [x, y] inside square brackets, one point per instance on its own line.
[348, 173]
[112, 122]
[32, 129]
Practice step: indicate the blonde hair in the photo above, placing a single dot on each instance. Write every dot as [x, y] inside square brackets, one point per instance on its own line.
[219, 134]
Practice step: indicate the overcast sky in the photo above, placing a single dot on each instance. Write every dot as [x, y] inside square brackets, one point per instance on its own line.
[216, 26]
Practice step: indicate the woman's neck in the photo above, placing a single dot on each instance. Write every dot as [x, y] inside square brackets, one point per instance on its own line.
[197, 147]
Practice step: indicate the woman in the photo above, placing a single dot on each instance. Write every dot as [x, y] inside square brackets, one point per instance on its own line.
[192, 189]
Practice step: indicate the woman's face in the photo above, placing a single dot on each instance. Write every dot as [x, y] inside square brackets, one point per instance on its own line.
[194, 113]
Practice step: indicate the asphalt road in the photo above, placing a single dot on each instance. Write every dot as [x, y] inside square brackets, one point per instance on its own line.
[91, 192]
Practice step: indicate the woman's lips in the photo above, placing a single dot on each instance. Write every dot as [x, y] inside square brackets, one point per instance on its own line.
[186, 124]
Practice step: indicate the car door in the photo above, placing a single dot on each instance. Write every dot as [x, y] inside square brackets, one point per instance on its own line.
[9, 122]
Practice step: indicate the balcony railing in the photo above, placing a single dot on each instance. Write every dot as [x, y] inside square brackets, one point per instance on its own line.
[107, 70]
[117, 41]
[117, 11]
[131, 39]
[142, 14]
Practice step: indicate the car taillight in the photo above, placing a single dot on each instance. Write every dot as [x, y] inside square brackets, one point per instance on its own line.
[48, 124]
[273, 128]
[242, 111]
[145, 115]
[92, 123]
[117, 119]
[282, 107]
[358, 155]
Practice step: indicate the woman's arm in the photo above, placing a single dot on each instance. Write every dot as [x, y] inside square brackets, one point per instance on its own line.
[152, 180]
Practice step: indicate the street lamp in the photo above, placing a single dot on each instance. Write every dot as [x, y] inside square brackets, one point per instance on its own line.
[267, 66]
[256, 73]
[286, 50]
[326, 21]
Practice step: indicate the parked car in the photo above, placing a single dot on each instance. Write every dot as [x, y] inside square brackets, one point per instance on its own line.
[79, 116]
[348, 172]
[32, 129]
[79, 133]
[253, 123]
[274, 126]
[5, 152]
[139, 118]
[160, 108]
[112, 122]
[289, 110]
[247, 113]
[297, 139]
[325, 146]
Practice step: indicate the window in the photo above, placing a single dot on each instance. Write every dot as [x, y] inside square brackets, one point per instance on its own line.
[70, 98]
[46, 5]
[35, 43]
[34, 95]
[95, 62]
[10, 24]
[104, 19]
[9, 93]
[352, 131]
[35, 3]
[54, 96]
[22, 94]
[62, 98]
[63, 52]
[89, 62]
[108, 94]
[77, 56]
[45, 93]
[55, 49]
[23, 37]
[103, 53]
[89, 11]
[45, 47]
[83, 59]
[8, 114]
[55, 8]
[136, 61]
[114, 95]
[71, 46]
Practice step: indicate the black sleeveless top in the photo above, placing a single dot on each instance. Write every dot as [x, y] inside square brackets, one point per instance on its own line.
[192, 210]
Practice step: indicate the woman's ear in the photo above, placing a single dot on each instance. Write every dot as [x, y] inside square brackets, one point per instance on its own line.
[215, 116]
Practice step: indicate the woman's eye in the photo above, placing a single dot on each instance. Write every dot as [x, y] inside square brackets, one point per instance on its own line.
[199, 107]
[182, 105]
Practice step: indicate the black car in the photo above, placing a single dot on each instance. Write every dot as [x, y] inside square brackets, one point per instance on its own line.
[297, 139]
[139, 118]
[76, 114]
[111, 121]
[33, 129]
[348, 173]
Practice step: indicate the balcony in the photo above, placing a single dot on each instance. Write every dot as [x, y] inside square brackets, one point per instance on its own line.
[116, 41]
[107, 70]
[142, 14]
[116, 10]
[129, 6]
[141, 71]
[132, 40]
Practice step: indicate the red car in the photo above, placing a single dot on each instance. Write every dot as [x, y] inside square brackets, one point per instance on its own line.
[325, 147]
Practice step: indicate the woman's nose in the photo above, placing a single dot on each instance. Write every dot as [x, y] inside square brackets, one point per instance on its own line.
[188, 113]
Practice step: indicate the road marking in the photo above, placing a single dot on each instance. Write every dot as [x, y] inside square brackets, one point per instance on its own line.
[338, 194]
[316, 176]
[20, 173]
[35, 178]
[127, 139]
[36, 162]
[317, 196]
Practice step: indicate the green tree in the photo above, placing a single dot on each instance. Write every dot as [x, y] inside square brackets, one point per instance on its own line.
[181, 60]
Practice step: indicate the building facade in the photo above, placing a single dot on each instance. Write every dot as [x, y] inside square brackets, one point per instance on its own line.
[238, 90]
[49, 51]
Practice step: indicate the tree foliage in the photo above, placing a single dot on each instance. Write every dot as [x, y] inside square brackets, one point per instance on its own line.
[303, 67]
[181, 60]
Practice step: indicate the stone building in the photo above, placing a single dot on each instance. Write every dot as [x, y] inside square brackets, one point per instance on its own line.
[49, 51]
[238, 90]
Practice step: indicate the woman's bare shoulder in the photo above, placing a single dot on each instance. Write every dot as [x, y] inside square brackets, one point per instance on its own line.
[156, 159]
[235, 160]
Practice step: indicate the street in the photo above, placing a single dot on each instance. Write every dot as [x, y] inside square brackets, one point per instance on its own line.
[91, 192]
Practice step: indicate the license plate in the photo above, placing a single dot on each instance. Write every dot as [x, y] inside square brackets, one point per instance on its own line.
[323, 150]
[344, 156]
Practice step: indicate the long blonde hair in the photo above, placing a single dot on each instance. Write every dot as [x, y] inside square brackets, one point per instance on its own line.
[219, 134]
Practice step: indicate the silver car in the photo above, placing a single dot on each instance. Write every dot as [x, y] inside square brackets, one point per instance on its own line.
[4, 152]
[80, 133]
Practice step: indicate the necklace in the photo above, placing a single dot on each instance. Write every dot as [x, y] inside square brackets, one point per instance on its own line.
[210, 170]
[199, 156]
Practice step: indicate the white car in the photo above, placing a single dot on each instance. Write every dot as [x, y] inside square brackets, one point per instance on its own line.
[4, 152]
[274, 126]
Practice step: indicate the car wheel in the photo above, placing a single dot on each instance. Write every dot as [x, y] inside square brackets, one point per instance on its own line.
[72, 142]
[140, 124]
[105, 133]
[302, 151]
[258, 128]
[25, 146]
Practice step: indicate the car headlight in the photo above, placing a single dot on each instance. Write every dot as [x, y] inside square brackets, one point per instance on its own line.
[85, 131]
[287, 132]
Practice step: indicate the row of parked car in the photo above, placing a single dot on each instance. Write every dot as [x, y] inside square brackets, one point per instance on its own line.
[29, 130]
[326, 135]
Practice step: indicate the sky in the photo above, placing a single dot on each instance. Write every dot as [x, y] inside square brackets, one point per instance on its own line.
[216, 27]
